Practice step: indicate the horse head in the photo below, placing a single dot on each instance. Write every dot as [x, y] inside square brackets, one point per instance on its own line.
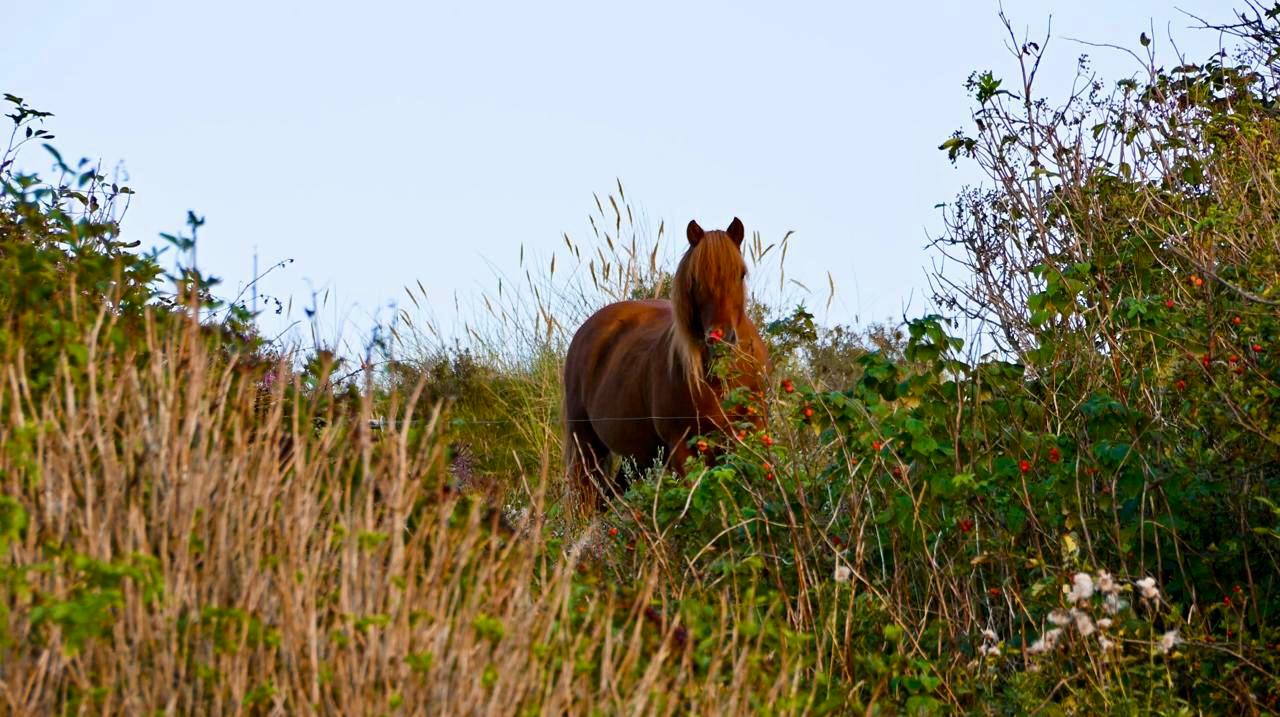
[709, 291]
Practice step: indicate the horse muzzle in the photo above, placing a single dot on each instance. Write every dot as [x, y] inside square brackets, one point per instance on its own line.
[719, 335]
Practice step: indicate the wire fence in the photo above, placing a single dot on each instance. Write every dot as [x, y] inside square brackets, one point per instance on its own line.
[380, 424]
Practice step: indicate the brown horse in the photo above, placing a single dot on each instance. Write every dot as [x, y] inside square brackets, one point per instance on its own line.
[637, 378]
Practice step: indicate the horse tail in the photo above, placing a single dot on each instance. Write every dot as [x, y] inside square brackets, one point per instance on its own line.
[571, 459]
[579, 490]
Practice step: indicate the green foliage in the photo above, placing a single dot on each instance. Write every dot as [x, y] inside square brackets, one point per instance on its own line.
[69, 285]
[95, 591]
[61, 262]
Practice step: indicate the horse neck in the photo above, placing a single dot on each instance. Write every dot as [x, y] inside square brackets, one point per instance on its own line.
[689, 355]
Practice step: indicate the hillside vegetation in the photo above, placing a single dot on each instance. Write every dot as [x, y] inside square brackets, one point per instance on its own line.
[1061, 494]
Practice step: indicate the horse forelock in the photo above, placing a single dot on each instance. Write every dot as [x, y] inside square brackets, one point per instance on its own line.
[714, 261]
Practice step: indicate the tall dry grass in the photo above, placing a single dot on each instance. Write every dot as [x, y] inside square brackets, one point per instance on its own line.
[198, 543]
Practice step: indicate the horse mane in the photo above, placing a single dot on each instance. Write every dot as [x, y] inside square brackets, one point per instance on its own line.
[714, 260]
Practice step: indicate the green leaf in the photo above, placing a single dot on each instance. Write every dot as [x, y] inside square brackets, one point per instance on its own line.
[893, 633]
[57, 156]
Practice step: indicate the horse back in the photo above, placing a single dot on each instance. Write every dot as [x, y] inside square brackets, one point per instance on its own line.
[608, 342]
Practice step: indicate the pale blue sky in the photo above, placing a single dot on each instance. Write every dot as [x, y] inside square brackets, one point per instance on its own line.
[382, 143]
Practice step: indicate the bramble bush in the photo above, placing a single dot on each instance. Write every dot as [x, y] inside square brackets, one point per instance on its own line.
[1071, 510]
[1121, 419]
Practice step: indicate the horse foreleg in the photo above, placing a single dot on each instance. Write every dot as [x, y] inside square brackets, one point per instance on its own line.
[622, 479]
[679, 453]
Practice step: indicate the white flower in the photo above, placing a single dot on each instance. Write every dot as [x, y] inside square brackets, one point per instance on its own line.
[1081, 587]
[1083, 623]
[1047, 641]
[1112, 604]
[843, 573]
[989, 650]
[1168, 641]
[1106, 584]
[990, 635]
[1105, 644]
[1059, 617]
[1104, 623]
[1148, 588]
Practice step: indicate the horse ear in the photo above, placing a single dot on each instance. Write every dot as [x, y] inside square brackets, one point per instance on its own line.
[737, 231]
[695, 232]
